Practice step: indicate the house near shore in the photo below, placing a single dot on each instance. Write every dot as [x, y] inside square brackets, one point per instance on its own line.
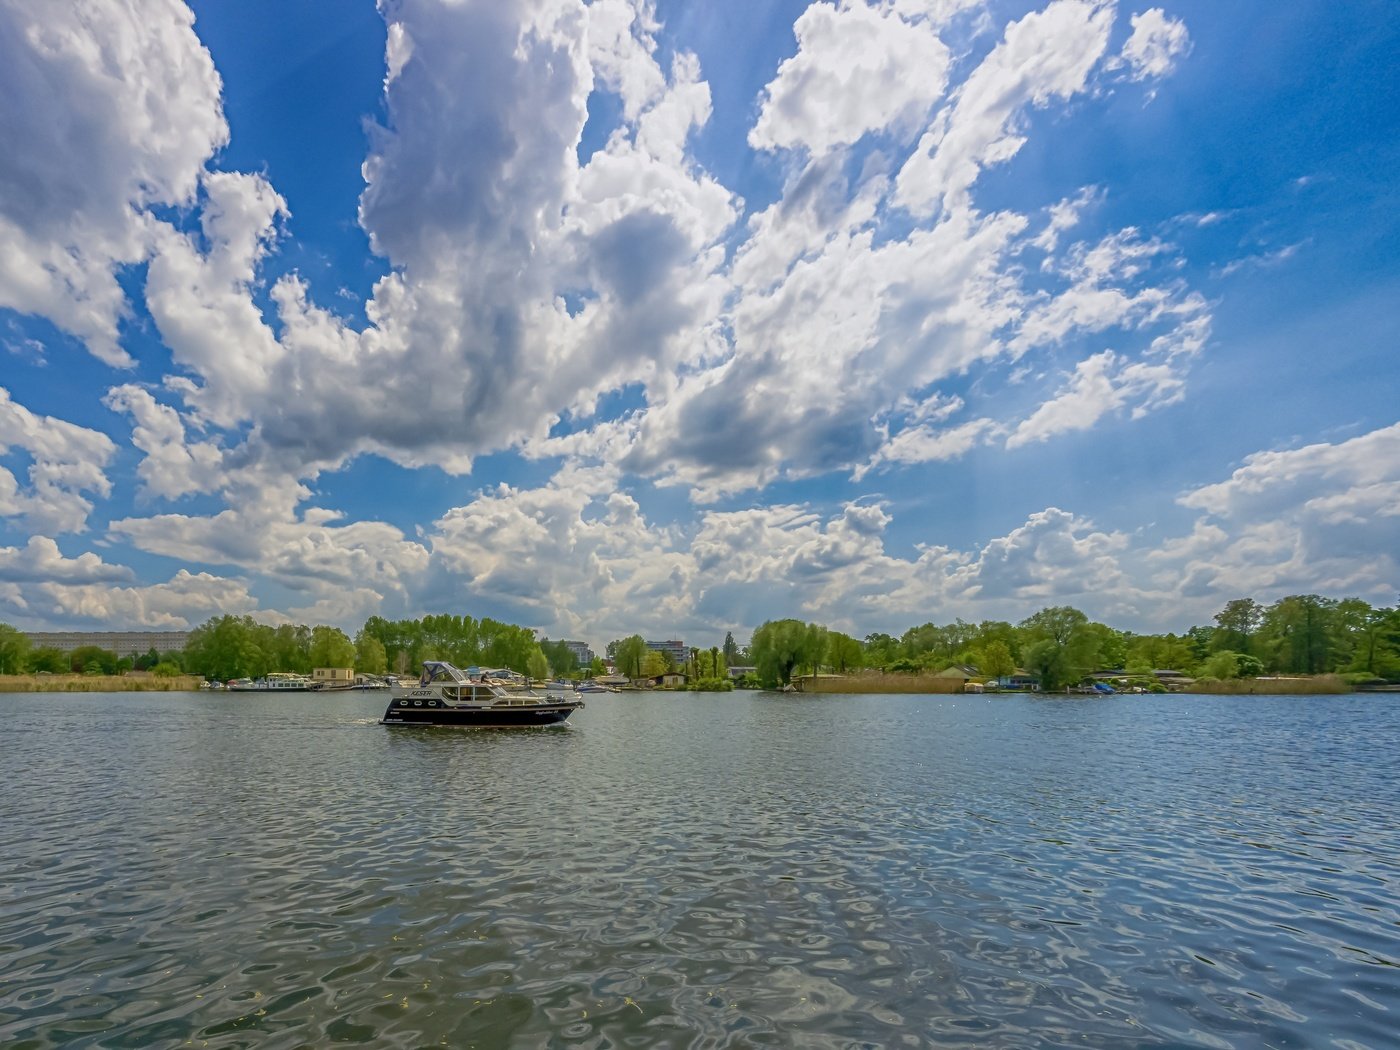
[331, 677]
[1020, 680]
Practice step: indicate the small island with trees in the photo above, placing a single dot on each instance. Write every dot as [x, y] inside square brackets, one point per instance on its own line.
[1300, 643]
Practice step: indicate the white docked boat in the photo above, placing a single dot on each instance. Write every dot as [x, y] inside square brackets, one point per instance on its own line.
[275, 682]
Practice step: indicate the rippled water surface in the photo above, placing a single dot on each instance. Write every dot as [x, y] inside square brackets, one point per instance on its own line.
[726, 870]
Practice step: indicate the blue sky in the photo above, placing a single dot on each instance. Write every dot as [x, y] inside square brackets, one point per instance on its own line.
[673, 318]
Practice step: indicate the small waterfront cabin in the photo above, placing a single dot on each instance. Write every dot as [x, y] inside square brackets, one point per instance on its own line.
[333, 677]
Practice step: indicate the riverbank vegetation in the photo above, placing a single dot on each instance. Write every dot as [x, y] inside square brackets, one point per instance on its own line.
[1059, 646]
[101, 683]
[1301, 636]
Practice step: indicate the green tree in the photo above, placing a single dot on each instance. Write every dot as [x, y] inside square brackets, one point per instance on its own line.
[1298, 634]
[49, 660]
[994, 659]
[562, 661]
[14, 650]
[779, 646]
[1061, 645]
[331, 648]
[655, 664]
[989, 631]
[166, 669]
[629, 655]
[1222, 665]
[843, 652]
[370, 655]
[731, 649]
[537, 665]
[1236, 624]
[214, 649]
[881, 650]
[1047, 659]
[92, 659]
[1056, 624]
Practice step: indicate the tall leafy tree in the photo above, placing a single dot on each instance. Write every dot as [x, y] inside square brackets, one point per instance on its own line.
[994, 659]
[731, 649]
[843, 652]
[370, 655]
[1298, 634]
[1236, 625]
[537, 665]
[331, 648]
[1062, 644]
[629, 655]
[779, 646]
[14, 650]
[561, 658]
[881, 650]
[92, 659]
[48, 659]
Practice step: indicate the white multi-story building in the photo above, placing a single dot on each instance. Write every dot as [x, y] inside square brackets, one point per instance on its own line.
[123, 643]
[581, 652]
[677, 649]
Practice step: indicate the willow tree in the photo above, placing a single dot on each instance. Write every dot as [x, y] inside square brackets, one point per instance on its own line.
[781, 645]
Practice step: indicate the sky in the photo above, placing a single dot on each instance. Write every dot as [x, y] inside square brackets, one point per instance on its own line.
[673, 318]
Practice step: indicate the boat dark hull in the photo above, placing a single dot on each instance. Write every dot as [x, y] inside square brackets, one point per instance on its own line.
[479, 718]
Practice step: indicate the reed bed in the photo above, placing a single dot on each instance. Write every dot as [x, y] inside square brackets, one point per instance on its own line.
[1318, 685]
[101, 683]
[880, 683]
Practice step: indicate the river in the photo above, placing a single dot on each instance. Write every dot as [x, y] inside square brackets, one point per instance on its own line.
[702, 870]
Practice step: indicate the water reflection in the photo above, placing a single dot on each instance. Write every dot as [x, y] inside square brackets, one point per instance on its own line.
[704, 871]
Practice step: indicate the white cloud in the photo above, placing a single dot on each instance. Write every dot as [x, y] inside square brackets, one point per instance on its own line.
[857, 69]
[1054, 558]
[307, 553]
[173, 466]
[201, 299]
[1324, 518]
[66, 463]
[621, 43]
[1156, 44]
[110, 108]
[1046, 55]
[184, 601]
[1262, 260]
[824, 333]
[1064, 216]
[930, 444]
[41, 561]
[1101, 385]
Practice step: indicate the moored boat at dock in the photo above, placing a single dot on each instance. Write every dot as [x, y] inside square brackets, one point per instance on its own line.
[275, 682]
[447, 696]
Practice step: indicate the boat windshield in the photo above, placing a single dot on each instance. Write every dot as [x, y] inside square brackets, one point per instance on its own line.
[438, 671]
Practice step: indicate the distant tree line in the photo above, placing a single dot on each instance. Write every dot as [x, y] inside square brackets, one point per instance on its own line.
[1299, 634]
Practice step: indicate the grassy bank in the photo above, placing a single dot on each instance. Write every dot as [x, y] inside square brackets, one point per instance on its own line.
[879, 683]
[101, 683]
[1318, 685]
